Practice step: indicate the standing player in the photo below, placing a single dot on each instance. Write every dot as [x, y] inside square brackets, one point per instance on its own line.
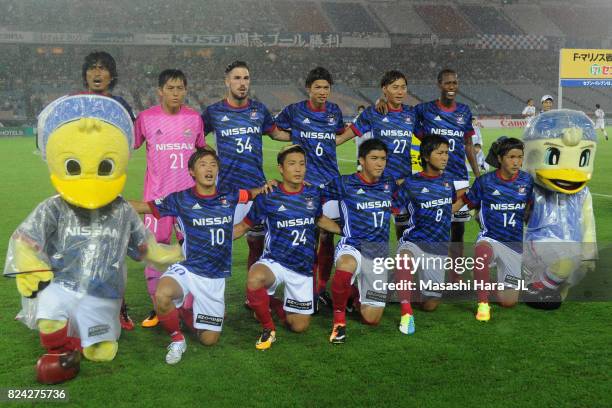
[313, 124]
[529, 111]
[394, 129]
[171, 131]
[205, 213]
[453, 121]
[238, 123]
[99, 73]
[291, 214]
[428, 196]
[503, 197]
[100, 76]
[366, 202]
[600, 120]
[547, 103]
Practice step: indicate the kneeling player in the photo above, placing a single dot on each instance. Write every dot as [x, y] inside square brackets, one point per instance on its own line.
[205, 214]
[504, 197]
[291, 214]
[366, 203]
[428, 197]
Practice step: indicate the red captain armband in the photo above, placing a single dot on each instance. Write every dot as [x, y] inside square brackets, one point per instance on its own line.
[466, 200]
[355, 130]
[248, 221]
[244, 196]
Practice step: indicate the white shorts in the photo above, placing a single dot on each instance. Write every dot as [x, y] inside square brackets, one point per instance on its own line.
[508, 261]
[331, 209]
[430, 272]
[366, 280]
[600, 124]
[208, 297]
[95, 319]
[463, 215]
[298, 296]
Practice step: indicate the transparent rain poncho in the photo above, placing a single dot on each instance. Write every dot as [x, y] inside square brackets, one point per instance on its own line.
[85, 249]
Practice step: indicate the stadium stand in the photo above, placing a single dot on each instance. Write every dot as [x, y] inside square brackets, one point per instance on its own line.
[400, 18]
[444, 20]
[350, 18]
[579, 21]
[371, 94]
[276, 97]
[302, 16]
[531, 19]
[488, 20]
[492, 98]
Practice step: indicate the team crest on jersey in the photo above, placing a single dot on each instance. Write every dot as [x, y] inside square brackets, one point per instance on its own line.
[224, 202]
[386, 187]
[447, 185]
[309, 203]
[253, 113]
[408, 120]
[460, 120]
[522, 190]
[331, 119]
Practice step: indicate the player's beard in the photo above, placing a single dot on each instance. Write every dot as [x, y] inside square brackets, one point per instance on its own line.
[239, 97]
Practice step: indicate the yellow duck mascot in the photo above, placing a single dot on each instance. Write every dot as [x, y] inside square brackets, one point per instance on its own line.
[560, 240]
[70, 252]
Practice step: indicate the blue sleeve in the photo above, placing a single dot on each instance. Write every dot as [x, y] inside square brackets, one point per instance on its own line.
[469, 129]
[399, 197]
[473, 197]
[363, 122]
[268, 121]
[333, 189]
[418, 121]
[339, 120]
[283, 119]
[257, 213]
[167, 206]
[208, 126]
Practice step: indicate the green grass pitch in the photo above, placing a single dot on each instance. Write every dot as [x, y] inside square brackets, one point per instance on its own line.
[522, 357]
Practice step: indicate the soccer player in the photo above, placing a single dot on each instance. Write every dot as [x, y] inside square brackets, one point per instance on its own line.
[313, 124]
[366, 201]
[361, 139]
[453, 121]
[205, 213]
[428, 196]
[529, 111]
[547, 103]
[172, 132]
[99, 73]
[238, 123]
[100, 76]
[394, 129]
[291, 214]
[600, 120]
[503, 197]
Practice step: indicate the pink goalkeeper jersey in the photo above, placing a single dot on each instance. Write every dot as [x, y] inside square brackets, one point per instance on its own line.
[170, 141]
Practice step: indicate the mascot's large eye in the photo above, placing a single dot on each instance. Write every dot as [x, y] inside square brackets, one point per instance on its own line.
[73, 167]
[585, 157]
[106, 167]
[552, 156]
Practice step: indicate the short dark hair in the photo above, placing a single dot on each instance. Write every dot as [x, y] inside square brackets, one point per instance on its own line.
[501, 147]
[202, 152]
[168, 74]
[529, 100]
[391, 76]
[318, 73]
[597, 106]
[104, 59]
[429, 144]
[236, 64]
[361, 107]
[371, 144]
[282, 154]
[445, 71]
